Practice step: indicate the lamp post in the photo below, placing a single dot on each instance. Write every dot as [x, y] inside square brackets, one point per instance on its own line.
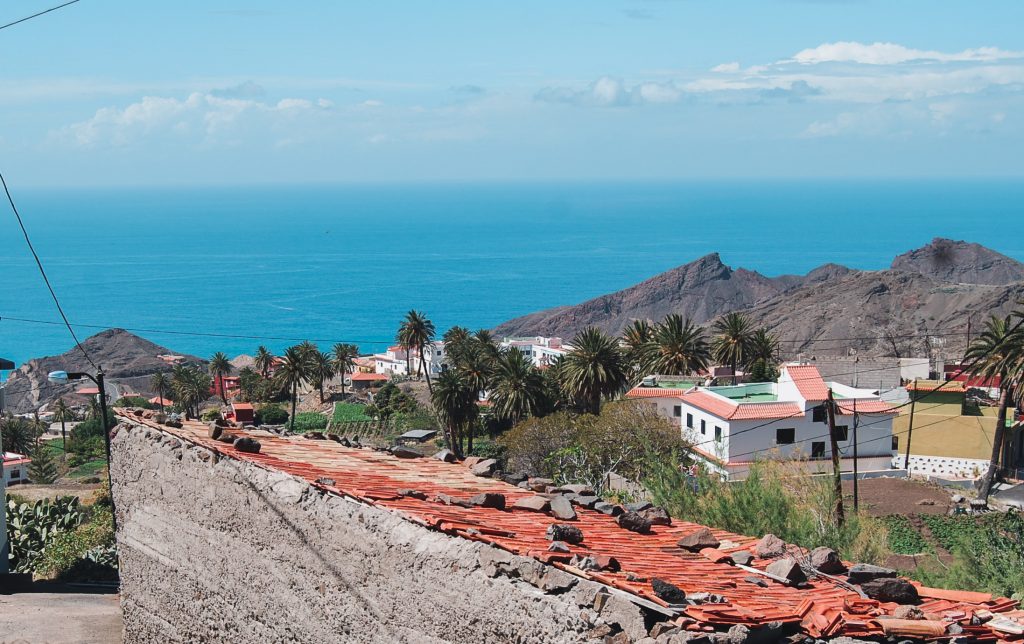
[63, 377]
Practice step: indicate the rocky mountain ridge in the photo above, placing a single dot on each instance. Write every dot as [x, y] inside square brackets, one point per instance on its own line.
[832, 310]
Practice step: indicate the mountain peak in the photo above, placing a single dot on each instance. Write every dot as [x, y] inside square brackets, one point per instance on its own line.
[960, 262]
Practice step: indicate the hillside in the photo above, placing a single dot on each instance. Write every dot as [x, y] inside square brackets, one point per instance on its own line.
[931, 288]
[128, 362]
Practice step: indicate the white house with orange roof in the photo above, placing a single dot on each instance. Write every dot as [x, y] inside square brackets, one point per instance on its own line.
[15, 468]
[732, 427]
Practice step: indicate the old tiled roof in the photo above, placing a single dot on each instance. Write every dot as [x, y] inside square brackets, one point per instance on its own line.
[808, 382]
[822, 607]
[953, 386]
[357, 377]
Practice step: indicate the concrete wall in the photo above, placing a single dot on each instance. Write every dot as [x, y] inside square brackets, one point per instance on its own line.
[963, 437]
[221, 550]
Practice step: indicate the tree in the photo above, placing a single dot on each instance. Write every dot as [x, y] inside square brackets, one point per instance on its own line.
[587, 449]
[417, 331]
[764, 346]
[997, 353]
[250, 384]
[293, 371]
[62, 413]
[679, 347]
[476, 367]
[191, 387]
[344, 361]
[263, 361]
[18, 435]
[455, 404]
[160, 383]
[321, 369]
[732, 341]
[456, 340]
[220, 366]
[593, 369]
[638, 338]
[518, 387]
[485, 340]
[43, 469]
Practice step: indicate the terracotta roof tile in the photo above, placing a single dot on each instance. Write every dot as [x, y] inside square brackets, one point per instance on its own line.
[729, 410]
[808, 381]
[822, 607]
[653, 392]
[847, 407]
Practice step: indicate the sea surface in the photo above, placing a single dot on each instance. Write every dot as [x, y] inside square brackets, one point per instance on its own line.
[344, 263]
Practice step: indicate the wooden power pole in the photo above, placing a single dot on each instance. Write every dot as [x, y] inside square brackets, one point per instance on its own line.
[837, 477]
[910, 427]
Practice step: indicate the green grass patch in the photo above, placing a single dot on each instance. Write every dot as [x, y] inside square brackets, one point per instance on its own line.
[904, 539]
[349, 412]
[309, 421]
[88, 469]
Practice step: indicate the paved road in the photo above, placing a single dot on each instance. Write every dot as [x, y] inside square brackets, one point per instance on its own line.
[60, 618]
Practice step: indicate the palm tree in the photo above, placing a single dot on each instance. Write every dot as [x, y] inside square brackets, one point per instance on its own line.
[263, 360]
[19, 435]
[456, 407]
[996, 353]
[456, 340]
[679, 347]
[637, 338]
[418, 331]
[293, 371]
[518, 389]
[732, 340]
[594, 369]
[344, 361]
[62, 413]
[761, 355]
[191, 387]
[321, 369]
[220, 366]
[160, 383]
[485, 339]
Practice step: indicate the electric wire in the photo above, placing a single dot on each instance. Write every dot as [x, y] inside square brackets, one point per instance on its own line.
[42, 272]
[36, 15]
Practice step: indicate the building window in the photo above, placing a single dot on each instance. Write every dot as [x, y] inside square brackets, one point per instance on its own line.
[703, 426]
[677, 411]
[15, 474]
[818, 449]
[689, 420]
[718, 434]
[895, 443]
[818, 414]
[785, 435]
[842, 433]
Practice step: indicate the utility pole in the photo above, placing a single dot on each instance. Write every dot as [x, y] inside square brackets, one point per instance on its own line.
[856, 495]
[910, 428]
[5, 365]
[837, 478]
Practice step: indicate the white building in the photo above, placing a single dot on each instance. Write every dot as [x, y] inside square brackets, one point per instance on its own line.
[15, 468]
[541, 351]
[732, 427]
[392, 362]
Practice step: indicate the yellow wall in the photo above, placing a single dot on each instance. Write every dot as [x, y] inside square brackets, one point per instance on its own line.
[944, 435]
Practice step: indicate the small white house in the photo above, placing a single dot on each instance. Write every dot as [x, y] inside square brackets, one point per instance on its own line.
[541, 351]
[392, 362]
[15, 468]
[732, 427]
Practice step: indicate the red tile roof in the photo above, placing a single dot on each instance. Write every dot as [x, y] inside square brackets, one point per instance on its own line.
[823, 608]
[240, 405]
[808, 382]
[730, 410]
[88, 391]
[156, 400]
[365, 377]
[847, 407]
[953, 386]
[653, 392]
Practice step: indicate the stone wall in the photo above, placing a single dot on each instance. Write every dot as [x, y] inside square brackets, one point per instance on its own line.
[215, 550]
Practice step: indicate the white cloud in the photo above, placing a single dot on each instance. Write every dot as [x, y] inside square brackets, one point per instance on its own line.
[204, 114]
[726, 68]
[887, 53]
[611, 92]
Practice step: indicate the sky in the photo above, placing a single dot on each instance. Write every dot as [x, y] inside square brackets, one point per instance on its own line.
[117, 93]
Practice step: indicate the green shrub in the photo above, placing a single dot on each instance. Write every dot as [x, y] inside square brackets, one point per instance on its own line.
[271, 415]
[44, 466]
[210, 414]
[31, 528]
[67, 551]
[490, 449]
[989, 554]
[904, 539]
[133, 401]
[309, 421]
[350, 412]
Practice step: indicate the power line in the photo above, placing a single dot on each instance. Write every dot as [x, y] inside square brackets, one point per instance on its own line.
[196, 333]
[36, 15]
[42, 272]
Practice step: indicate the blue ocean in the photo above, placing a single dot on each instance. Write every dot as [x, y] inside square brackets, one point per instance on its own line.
[344, 263]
